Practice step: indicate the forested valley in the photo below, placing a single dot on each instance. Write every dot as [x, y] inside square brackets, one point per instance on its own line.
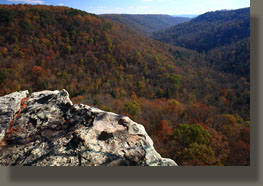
[193, 99]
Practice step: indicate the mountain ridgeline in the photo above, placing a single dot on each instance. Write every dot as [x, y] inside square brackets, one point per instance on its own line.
[146, 24]
[170, 90]
[209, 30]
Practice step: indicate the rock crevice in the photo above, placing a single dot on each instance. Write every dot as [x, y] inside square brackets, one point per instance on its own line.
[46, 129]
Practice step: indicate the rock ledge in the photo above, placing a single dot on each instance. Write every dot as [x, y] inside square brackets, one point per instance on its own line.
[46, 129]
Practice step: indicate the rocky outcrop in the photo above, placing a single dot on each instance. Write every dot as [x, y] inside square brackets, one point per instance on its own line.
[46, 129]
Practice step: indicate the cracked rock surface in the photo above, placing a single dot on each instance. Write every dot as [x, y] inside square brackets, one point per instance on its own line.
[46, 129]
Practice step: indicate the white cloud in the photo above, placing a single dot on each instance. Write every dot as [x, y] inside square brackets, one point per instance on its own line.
[60, 4]
[28, 1]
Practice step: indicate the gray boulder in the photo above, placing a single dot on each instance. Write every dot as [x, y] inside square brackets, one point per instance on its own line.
[46, 129]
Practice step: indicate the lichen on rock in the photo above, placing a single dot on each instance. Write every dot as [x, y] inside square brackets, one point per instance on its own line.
[46, 129]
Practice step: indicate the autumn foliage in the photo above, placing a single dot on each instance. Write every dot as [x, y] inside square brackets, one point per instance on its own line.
[194, 114]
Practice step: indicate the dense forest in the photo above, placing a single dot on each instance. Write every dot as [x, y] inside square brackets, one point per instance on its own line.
[195, 114]
[146, 24]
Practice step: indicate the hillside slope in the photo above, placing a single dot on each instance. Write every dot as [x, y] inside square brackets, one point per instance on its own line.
[222, 35]
[56, 47]
[234, 58]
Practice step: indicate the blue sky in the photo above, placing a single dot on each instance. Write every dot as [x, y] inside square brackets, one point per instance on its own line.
[172, 7]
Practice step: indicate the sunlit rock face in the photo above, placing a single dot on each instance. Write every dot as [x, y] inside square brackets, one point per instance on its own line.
[46, 129]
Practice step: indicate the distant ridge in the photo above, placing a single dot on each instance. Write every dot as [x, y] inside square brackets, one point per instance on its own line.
[146, 24]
